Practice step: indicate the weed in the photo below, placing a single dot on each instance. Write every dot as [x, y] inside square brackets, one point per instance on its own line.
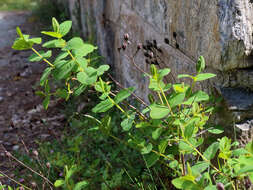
[160, 144]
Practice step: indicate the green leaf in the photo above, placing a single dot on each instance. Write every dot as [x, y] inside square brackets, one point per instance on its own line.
[40, 93]
[197, 97]
[21, 44]
[167, 87]
[86, 79]
[65, 27]
[75, 43]
[55, 25]
[123, 94]
[239, 151]
[211, 151]
[84, 50]
[200, 167]
[178, 182]
[189, 129]
[173, 164]
[211, 187]
[102, 69]
[70, 172]
[200, 64]
[158, 111]
[82, 62]
[61, 56]
[45, 75]
[190, 185]
[176, 99]
[62, 93]
[157, 133]
[184, 76]
[127, 123]
[245, 169]
[81, 185]
[35, 58]
[153, 85]
[183, 146]
[63, 69]
[147, 149]
[216, 130]
[105, 126]
[52, 34]
[151, 159]
[50, 44]
[163, 145]
[59, 183]
[180, 88]
[82, 77]
[60, 43]
[35, 40]
[103, 106]
[142, 125]
[45, 102]
[249, 147]
[79, 90]
[163, 72]
[204, 76]
[47, 87]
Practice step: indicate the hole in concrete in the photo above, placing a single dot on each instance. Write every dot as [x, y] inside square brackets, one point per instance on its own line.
[177, 46]
[166, 40]
[174, 34]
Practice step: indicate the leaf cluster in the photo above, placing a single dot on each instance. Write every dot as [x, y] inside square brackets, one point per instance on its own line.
[168, 131]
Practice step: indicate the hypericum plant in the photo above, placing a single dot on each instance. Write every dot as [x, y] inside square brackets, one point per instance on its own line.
[168, 132]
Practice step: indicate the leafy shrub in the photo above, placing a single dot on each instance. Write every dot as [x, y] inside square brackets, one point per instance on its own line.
[168, 132]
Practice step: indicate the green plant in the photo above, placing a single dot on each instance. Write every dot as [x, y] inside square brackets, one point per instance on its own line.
[17, 5]
[170, 132]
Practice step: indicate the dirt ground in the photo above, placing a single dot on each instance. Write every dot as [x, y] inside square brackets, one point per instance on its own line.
[23, 121]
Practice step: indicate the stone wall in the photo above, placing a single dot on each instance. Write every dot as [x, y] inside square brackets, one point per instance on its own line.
[220, 30]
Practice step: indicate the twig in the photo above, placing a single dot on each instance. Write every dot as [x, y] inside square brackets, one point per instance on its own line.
[21, 163]
[121, 86]
[27, 151]
[136, 66]
[14, 180]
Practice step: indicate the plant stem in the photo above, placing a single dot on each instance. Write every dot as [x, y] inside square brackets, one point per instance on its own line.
[74, 59]
[160, 98]
[34, 50]
[117, 105]
[183, 163]
[204, 158]
[31, 169]
[164, 96]
[14, 180]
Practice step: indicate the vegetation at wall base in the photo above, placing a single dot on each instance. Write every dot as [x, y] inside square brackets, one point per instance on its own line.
[118, 145]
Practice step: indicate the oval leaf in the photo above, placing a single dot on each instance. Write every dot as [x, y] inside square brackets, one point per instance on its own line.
[103, 106]
[158, 111]
[211, 151]
[204, 76]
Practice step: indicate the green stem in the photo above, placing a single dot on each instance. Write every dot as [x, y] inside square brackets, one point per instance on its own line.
[160, 97]
[51, 65]
[117, 105]
[74, 59]
[164, 96]
[204, 158]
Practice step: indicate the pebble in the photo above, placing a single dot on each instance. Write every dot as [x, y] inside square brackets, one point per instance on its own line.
[15, 147]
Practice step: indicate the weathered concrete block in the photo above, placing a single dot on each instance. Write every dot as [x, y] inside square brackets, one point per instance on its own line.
[220, 30]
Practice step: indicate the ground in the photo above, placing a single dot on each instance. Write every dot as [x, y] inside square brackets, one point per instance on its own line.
[23, 121]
